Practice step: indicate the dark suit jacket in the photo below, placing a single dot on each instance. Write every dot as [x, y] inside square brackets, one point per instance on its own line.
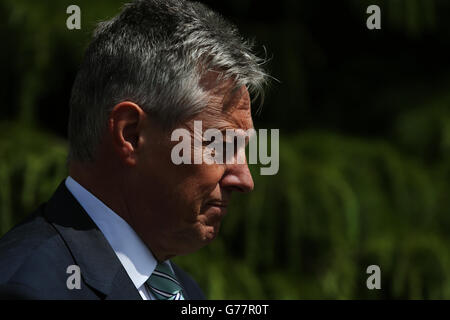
[34, 257]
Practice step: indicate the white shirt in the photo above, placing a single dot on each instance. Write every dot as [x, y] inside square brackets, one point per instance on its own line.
[134, 255]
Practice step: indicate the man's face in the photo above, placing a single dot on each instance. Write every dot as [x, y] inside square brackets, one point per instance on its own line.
[177, 209]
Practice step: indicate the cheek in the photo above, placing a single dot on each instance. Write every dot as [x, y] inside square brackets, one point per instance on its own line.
[182, 189]
[197, 186]
[205, 178]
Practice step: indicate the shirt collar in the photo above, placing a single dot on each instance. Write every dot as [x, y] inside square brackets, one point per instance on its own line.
[134, 255]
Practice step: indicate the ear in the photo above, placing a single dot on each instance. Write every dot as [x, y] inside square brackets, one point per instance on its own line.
[125, 127]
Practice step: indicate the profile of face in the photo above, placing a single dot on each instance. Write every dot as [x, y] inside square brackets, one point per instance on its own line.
[177, 209]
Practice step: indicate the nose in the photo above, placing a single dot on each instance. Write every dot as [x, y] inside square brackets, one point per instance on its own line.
[237, 177]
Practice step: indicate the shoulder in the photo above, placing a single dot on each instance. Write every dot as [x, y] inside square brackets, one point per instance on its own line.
[32, 255]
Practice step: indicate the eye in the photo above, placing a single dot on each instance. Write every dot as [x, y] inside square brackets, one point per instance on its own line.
[234, 145]
[206, 143]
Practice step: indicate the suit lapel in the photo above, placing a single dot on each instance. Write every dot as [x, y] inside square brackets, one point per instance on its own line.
[180, 276]
[99, 265]
[122, 288]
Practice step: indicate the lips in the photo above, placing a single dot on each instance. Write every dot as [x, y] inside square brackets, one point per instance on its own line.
[217, 204]
[214, 212]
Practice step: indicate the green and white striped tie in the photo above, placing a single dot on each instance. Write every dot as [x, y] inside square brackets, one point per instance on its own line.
[163, 283]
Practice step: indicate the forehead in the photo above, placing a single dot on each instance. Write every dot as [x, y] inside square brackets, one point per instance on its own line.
[228, 108]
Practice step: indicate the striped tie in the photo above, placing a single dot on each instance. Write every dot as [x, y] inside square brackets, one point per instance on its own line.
[163, 284]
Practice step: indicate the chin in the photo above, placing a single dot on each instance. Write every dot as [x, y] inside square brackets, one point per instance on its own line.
[212, 233]
[204, 239]
[196, 238]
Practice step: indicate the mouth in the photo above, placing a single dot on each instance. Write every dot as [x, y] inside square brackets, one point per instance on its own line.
[220, 204]
[215, 211]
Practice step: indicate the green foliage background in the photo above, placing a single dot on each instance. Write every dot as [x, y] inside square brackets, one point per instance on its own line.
[356, 186]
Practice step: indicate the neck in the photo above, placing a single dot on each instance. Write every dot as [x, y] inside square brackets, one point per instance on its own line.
[106, 184]
[99, 181]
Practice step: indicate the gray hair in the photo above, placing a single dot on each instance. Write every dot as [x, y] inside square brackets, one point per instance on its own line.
[154, 53]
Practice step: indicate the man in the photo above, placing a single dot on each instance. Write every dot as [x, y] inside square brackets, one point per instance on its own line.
[126, 208]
